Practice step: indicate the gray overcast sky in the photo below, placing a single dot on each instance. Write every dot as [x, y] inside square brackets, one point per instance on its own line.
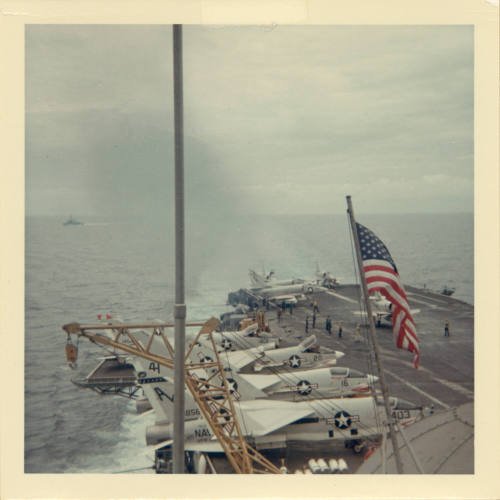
[287, 119]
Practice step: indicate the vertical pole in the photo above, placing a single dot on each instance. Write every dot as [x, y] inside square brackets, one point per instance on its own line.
[373, 339]
[180, 306]
[410, 449]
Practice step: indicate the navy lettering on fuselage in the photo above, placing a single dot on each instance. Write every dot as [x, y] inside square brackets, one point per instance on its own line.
[160, 393]
[202, 433]
[190, 412]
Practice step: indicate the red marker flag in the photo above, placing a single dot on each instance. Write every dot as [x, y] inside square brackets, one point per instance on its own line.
[382, 276]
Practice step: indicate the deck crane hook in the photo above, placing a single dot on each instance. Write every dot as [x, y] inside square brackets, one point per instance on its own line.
[71, 351]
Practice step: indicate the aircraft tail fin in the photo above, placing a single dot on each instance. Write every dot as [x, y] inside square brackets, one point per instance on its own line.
[159, 389]
[241, 389]
[308, 342]
[256, 279]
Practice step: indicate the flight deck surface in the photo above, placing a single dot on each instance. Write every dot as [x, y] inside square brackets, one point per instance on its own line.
[444, 379]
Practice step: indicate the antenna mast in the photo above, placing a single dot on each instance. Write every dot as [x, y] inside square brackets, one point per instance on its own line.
[180, 306]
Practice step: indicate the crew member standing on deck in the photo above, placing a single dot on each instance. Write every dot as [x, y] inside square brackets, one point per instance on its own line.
[340, 329]
[314, 320]
[278, 314]
[447, 328]
[315, 306]
[307, 323]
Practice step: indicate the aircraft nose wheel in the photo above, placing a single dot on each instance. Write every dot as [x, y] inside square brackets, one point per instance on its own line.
[357, 445]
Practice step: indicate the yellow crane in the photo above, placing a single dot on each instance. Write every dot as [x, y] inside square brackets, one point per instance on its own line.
[214, 400]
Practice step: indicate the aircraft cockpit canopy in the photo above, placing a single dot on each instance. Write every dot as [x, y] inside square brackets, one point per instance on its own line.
[355, 374]
[339, 371]
[400, 404]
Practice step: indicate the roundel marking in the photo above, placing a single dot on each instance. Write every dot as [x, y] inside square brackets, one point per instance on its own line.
[342, 419]
[223, 413]
[226, 344]
[304, 387]
[202, 385]
[232, 385]
[294, 361]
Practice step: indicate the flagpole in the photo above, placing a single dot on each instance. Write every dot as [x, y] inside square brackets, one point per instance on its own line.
[180, 306]
[373, 339]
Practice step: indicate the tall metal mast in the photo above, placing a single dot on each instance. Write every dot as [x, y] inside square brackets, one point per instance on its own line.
[180, 306]
[373, 339]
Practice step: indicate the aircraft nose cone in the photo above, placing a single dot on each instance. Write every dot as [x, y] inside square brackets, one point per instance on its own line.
[371, 378]
[158, 433]
[339, 354]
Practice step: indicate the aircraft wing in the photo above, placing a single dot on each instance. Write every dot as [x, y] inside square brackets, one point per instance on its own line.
[329, 360]
[261, 417]
[157, 446]
[203, 446]
[289, 299]
[262, 382]
[239, 359]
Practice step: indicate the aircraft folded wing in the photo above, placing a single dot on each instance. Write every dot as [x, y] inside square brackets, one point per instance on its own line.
[259, 418]
[262, 382]
[239, 359]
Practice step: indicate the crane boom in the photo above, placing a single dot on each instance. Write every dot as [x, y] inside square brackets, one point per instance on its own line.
[214, 399]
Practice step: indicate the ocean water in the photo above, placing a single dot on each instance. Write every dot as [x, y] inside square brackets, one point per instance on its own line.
[126, 268]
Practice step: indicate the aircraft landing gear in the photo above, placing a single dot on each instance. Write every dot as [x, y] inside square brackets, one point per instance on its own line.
[357, 445]
[163, 461]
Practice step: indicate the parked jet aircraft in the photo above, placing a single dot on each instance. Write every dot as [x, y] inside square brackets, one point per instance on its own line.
[232, 340]
[266, 355]
[312, 383]
[382, 309]
[266, 281]
[325, 278]
[273, 423]
[306, 354]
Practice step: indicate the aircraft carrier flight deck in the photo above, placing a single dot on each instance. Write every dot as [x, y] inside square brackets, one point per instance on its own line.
[443, 381]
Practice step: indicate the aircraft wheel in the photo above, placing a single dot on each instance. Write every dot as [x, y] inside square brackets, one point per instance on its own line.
[378, 323]
[358, 447]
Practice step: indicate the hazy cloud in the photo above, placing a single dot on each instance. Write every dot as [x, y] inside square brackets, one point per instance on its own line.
[284, 120]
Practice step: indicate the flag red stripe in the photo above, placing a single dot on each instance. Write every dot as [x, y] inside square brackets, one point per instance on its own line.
[395, 285]
[382, 276]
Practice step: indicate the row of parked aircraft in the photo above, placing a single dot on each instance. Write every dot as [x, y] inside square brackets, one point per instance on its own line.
[280, 394]
[293, 290]
[303, 396]
[288, 291]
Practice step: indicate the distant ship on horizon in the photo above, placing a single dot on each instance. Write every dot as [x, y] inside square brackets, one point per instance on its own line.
[72, 222]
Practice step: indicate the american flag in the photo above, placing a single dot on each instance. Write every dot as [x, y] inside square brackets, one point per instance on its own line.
[382, 276]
